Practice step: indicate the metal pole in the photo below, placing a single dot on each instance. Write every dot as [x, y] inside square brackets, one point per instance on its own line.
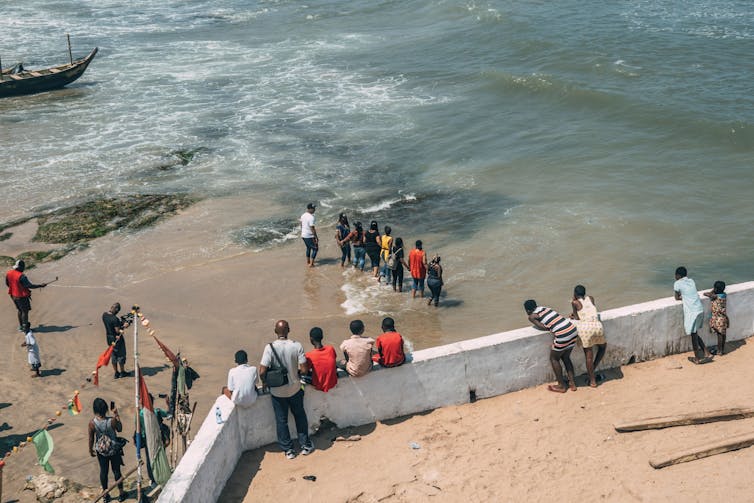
[70, 54]
[137, 371]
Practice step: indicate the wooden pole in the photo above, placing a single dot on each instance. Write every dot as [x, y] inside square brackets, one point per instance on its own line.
[2, 464]
[121, 479]
[1, 79]
[70, 54]
[729, 444]
[711, 416]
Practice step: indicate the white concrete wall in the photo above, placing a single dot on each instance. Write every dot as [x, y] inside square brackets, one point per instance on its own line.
[437, 377]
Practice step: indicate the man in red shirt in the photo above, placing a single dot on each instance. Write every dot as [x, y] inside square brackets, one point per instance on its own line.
[19, 289]
[322, 362]
[390, 345]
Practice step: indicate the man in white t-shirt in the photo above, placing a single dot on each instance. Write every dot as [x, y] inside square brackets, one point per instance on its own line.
[693, 313]
[242, 381]
[288, 354]
[309, 234]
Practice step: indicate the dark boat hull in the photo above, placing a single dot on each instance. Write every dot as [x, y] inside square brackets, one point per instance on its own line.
[37, 81]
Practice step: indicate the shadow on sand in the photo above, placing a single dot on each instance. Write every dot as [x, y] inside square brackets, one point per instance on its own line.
[8, 442]
[44, 329]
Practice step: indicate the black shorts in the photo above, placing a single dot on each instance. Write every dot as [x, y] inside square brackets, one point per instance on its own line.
[22, 303]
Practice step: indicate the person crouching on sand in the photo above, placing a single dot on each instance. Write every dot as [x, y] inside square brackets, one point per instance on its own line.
[564, 335]
[718, 323]
[591, 332]
[32, 348]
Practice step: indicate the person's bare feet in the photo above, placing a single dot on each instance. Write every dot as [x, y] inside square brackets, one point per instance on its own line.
[593, 383]
[572, 386]
[556, 388]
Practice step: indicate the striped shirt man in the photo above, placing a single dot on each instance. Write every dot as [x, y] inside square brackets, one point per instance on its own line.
[564, 332]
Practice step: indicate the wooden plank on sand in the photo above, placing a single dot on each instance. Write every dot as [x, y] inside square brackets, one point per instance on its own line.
[654, 423]
[729, 444]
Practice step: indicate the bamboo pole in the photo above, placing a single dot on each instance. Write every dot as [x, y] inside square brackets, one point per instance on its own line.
[719, 447]
[121, 479]
[711, 416]
[70, 54]
[1, 79]
[137, 372]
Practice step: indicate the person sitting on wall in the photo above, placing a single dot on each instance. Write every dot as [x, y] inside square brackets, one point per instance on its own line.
[591, 331]
[564, 335]
[242, 381]
[389, 345]
[357, 351]
[324, 374]
[693, 313]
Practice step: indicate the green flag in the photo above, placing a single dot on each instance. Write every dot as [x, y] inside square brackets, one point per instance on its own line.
[44, 444]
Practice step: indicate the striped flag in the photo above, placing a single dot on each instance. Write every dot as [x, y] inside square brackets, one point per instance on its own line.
[74, 405]
[158, 459]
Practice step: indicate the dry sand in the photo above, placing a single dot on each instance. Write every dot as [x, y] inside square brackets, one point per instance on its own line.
[207, 301]
[532, 445]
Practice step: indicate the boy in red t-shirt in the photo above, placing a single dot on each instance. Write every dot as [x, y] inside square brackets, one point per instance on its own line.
[389, 345]
[322, 362]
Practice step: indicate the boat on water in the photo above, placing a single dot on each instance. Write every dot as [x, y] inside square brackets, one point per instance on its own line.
[17, 80]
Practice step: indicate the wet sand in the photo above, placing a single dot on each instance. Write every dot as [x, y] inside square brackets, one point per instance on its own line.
[207, 297]
[531, 445]
[202, 302]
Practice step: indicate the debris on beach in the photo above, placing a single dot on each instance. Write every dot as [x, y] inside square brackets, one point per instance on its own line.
[414, 445]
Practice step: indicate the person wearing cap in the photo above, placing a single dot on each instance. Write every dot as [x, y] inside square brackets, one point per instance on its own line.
[309, 234]
[19, 289]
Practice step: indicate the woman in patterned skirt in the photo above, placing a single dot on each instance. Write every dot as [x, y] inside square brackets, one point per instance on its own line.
[718, 323]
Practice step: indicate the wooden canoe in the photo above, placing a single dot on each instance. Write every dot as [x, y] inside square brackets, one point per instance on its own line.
[46, 79]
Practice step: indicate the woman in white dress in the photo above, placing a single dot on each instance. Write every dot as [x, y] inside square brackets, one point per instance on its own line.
[591, 332]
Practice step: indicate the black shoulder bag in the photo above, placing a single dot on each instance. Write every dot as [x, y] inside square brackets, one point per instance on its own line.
[276, 376]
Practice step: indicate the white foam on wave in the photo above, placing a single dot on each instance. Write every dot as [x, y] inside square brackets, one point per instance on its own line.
[388, 203]
[363, 294]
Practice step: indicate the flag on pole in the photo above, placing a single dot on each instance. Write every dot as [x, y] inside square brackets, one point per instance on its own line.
[104, 361]
[168, 354]
[44, 444]
[158, 459]
[74, 405]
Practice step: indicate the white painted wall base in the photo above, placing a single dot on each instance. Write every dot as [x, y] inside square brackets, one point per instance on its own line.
[438, 377]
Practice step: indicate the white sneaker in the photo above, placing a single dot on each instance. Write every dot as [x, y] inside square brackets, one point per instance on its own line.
[307, 450]
[290, 454]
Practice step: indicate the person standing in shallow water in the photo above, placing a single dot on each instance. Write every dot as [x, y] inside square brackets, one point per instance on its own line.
[718, 322]
[357, 241]
[400, 263]
[591, 331]
[434, 280]
[693, 313]
[386, 247]
[372, 243]
[343, 235]
[564, 335]
[309, 234]
[417, 266]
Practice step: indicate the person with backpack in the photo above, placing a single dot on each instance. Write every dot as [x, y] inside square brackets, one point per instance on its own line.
[104, 444]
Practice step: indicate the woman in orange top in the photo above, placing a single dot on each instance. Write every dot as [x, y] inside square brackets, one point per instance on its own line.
[417, 264]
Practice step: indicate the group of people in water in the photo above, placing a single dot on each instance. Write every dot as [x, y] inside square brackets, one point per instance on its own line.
[584, 325]
[387, 255]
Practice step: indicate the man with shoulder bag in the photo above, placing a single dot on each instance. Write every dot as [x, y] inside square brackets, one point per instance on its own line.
[281, 363]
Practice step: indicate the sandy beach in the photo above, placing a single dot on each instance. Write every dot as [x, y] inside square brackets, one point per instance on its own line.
[208, 305]
[531, 445]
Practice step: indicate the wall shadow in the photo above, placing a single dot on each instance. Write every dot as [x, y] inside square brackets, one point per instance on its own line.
[237, 486]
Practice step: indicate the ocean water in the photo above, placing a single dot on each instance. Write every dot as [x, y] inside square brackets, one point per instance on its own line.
[534, 145]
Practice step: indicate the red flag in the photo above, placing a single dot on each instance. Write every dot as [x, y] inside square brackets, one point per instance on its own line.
[104, 361]
[146, 402]
[168, 354]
